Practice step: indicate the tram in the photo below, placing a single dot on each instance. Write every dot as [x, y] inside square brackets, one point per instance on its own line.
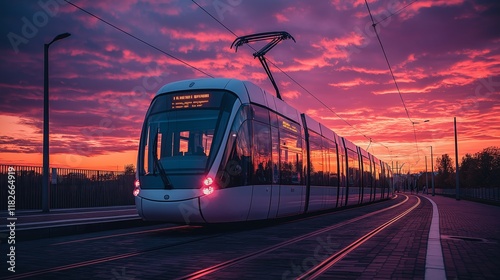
[224, 150]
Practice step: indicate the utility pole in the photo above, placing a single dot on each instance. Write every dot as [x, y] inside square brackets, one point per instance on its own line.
[45, 182]
[457, 191]
[426, 179]
[432, 172]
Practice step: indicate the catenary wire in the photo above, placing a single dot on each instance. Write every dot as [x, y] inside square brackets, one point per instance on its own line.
[396, 12]
[295, 81]
[374, 25]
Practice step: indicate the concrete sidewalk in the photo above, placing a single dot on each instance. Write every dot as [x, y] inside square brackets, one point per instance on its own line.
[470, 238]
[34, 224]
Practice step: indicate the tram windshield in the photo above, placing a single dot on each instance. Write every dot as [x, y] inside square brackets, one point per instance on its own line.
[183, 131]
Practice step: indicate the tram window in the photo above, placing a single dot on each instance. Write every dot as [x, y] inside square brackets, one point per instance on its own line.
[274, 119]
[183, 142]
[332, 158]
[183, 135]
[262, 163]
[237, 170]
[367, 175]
[275, 154]
[185, 130]
[146, 158]
[291, 172]
[260, 114]
[326, 164]
[376, 173]
[353, 178]
[334, 166]
[316, 159]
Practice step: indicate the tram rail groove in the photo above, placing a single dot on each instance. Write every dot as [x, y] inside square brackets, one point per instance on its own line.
[223, 265]
[322, 267]
[209, 270]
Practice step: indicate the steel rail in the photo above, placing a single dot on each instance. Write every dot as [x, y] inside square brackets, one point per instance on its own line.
[319, 269]
[223, 265]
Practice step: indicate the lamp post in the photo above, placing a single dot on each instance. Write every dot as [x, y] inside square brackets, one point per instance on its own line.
[426, 179]
[432, 172]
[457, 177]
[414, 123]
[45, 182]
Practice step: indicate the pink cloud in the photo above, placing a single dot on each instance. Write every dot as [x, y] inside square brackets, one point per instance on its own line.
[352, 83]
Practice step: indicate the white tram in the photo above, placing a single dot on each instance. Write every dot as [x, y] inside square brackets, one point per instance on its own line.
[224, 150]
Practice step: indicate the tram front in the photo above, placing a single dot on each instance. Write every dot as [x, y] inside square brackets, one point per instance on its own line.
[182, 134]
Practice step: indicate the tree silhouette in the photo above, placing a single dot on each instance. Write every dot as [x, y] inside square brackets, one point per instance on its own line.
[481, 169]
[445, 171]
[129, 169]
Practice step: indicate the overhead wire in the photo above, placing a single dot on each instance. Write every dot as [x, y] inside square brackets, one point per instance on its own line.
[396, 12]
[138, 39]
[209, 75]
[374, 25]
[292, 79]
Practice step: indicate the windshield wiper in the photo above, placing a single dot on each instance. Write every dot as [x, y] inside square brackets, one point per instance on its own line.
[158, 166]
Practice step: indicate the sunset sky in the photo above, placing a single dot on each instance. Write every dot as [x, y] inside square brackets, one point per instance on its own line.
[445, 56]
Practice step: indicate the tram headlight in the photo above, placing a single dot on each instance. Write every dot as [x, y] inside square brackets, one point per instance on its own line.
[137, 188]
[207, 186]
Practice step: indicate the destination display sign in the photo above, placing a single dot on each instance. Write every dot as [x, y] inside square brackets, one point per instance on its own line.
[186, 101]
[289, 126]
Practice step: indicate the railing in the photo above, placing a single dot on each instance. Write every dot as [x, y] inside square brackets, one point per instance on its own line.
[69, 188]
[480, 194]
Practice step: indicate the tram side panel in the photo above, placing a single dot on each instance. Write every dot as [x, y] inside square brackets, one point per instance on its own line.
[342, 161]
[332, 175]
[292, 181]
[231, 201]
[263, 162]
[322, 173]
[376, 179]
[353, 175]
[262, 169]
[316, 170]
[366, 184]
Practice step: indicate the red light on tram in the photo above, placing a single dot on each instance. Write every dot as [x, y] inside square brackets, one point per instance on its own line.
[207, 190]
[208, 181]
[207, 186]
[137, 189]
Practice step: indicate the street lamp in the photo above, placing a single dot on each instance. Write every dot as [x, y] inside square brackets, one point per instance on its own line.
[45, 182]
[419, 122]
[432, 172]
[426, 179]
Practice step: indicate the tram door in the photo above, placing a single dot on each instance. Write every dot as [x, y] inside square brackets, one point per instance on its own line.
[275, 177]
[291, 201]
[262, 191]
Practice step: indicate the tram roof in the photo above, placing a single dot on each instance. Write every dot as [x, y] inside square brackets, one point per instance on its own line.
[249, 92]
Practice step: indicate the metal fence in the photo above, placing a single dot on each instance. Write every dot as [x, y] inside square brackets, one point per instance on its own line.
[480, 194]
[69, 188]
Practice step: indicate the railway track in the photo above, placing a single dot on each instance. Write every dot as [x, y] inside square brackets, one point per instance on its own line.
[316, 271]
[222, 265]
